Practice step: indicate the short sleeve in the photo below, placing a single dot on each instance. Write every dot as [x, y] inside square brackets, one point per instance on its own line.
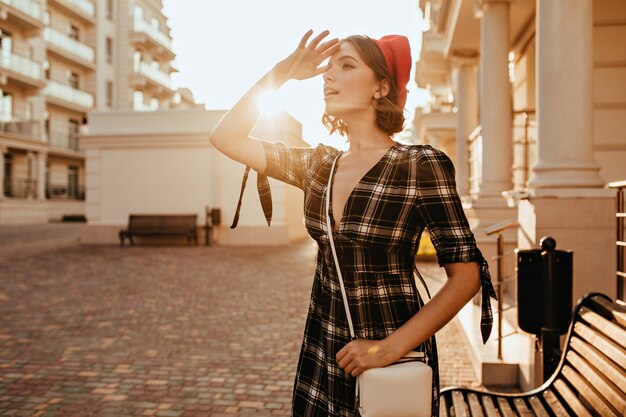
[290, 164]
[440, 207]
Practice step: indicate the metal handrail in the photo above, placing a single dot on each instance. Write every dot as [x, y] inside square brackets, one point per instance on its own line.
[620, 242]
[499, 228]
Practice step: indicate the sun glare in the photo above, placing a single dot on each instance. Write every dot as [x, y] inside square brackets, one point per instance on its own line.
[270, 103]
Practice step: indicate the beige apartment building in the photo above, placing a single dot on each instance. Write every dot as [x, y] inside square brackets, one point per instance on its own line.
[59, 60]
[528, 97]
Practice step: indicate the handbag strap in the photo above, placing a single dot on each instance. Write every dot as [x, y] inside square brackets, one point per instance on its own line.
[332, 246]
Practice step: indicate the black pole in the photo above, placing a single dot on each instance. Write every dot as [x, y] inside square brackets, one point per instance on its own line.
[550, 333]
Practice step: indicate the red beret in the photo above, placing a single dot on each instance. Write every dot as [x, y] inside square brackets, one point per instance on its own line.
[397, 53]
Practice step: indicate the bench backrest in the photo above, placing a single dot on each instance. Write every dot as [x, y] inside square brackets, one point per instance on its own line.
[162, 222]
[591, 378]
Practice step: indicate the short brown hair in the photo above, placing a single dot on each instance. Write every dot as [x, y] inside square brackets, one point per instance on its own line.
[389, 115]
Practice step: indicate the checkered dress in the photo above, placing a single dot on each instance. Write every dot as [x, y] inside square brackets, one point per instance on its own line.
[410, 188]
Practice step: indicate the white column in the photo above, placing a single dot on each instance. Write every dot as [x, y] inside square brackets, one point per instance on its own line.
[495, 101]
[465, 84]
[42, 158]
[3, 150]
[565, 96]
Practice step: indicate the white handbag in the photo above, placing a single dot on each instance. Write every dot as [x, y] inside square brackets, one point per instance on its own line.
[402, 389]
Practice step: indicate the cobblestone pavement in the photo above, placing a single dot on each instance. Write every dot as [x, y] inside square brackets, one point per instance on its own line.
[158, 331]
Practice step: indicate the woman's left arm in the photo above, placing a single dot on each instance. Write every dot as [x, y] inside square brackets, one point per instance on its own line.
[462, 284]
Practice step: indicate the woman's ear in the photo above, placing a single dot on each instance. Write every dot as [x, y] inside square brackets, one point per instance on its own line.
[382, 90]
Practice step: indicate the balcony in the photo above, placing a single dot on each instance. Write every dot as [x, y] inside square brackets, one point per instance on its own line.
[145, 33]
[24, 13]
[20, 187]
[68, 97]
[69, 48]
[24, 71]
[145, 74]
[82, 9]
[26, 128]
[63, 141]
[68, 191]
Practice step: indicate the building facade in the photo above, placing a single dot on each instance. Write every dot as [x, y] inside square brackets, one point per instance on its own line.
[59, 60]
[528, 97]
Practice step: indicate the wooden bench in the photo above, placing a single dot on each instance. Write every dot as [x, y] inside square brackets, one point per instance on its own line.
[160, 225]
[590, 379]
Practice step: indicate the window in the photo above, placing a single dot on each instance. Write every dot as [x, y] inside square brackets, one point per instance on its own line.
[72, 181]
[137, 57]
[72, 79]
[138, 13]
[154, 22]
[46, 68]
[155, 65]
[138, 100]
[46, 17]
[73, 134]
[6, 42]
[74, 33]
[109, 9]
[6, 106]
[154, 103]
[109, 50]
[109, 94]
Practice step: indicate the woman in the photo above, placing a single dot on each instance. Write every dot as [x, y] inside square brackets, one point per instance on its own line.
[383, 195]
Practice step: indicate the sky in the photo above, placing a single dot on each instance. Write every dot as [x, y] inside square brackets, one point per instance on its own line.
[224, 47]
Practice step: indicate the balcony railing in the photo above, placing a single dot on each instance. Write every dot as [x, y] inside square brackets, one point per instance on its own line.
[475, 159]
[63, 140]
[20, 64]
[69, 94]
[154, 74]
[73, 46]
[86, 6]
[29, 128]
[67, 191]
[20, 187]
[28, 7]
[524, 147]
[144, 27]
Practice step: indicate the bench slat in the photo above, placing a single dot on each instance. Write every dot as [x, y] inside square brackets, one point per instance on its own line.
[459, 405]
[474, 405]
[537, 406]
[553, 403]
[608, 348]
[570, 398]
[604, 388]
[521, 408]
[617, 311]
[587, 392]
[505, 407]
[611, 330]
[601, 362]
[488, 406]
[443, 406]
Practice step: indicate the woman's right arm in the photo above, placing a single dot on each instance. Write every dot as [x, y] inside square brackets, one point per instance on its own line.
[231, 135]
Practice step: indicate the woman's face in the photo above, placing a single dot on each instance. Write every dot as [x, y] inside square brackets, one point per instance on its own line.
[349, 84]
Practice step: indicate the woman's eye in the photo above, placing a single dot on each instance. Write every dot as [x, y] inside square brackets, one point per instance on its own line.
[347, 66]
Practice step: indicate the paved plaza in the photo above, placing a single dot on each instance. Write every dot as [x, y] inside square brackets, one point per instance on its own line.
[163, 331]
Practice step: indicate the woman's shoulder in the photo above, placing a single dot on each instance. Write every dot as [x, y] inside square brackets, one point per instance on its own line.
[422, 153]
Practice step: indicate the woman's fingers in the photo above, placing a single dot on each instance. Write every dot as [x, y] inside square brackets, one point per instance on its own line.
[331, 50]
[316, 40]
[305, 38]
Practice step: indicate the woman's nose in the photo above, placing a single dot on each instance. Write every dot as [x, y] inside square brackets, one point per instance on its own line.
[327, 75]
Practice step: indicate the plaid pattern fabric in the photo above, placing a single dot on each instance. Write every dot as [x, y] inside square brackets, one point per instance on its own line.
[410, 188]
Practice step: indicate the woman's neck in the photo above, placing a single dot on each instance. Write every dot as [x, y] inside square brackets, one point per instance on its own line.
[366, 136]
